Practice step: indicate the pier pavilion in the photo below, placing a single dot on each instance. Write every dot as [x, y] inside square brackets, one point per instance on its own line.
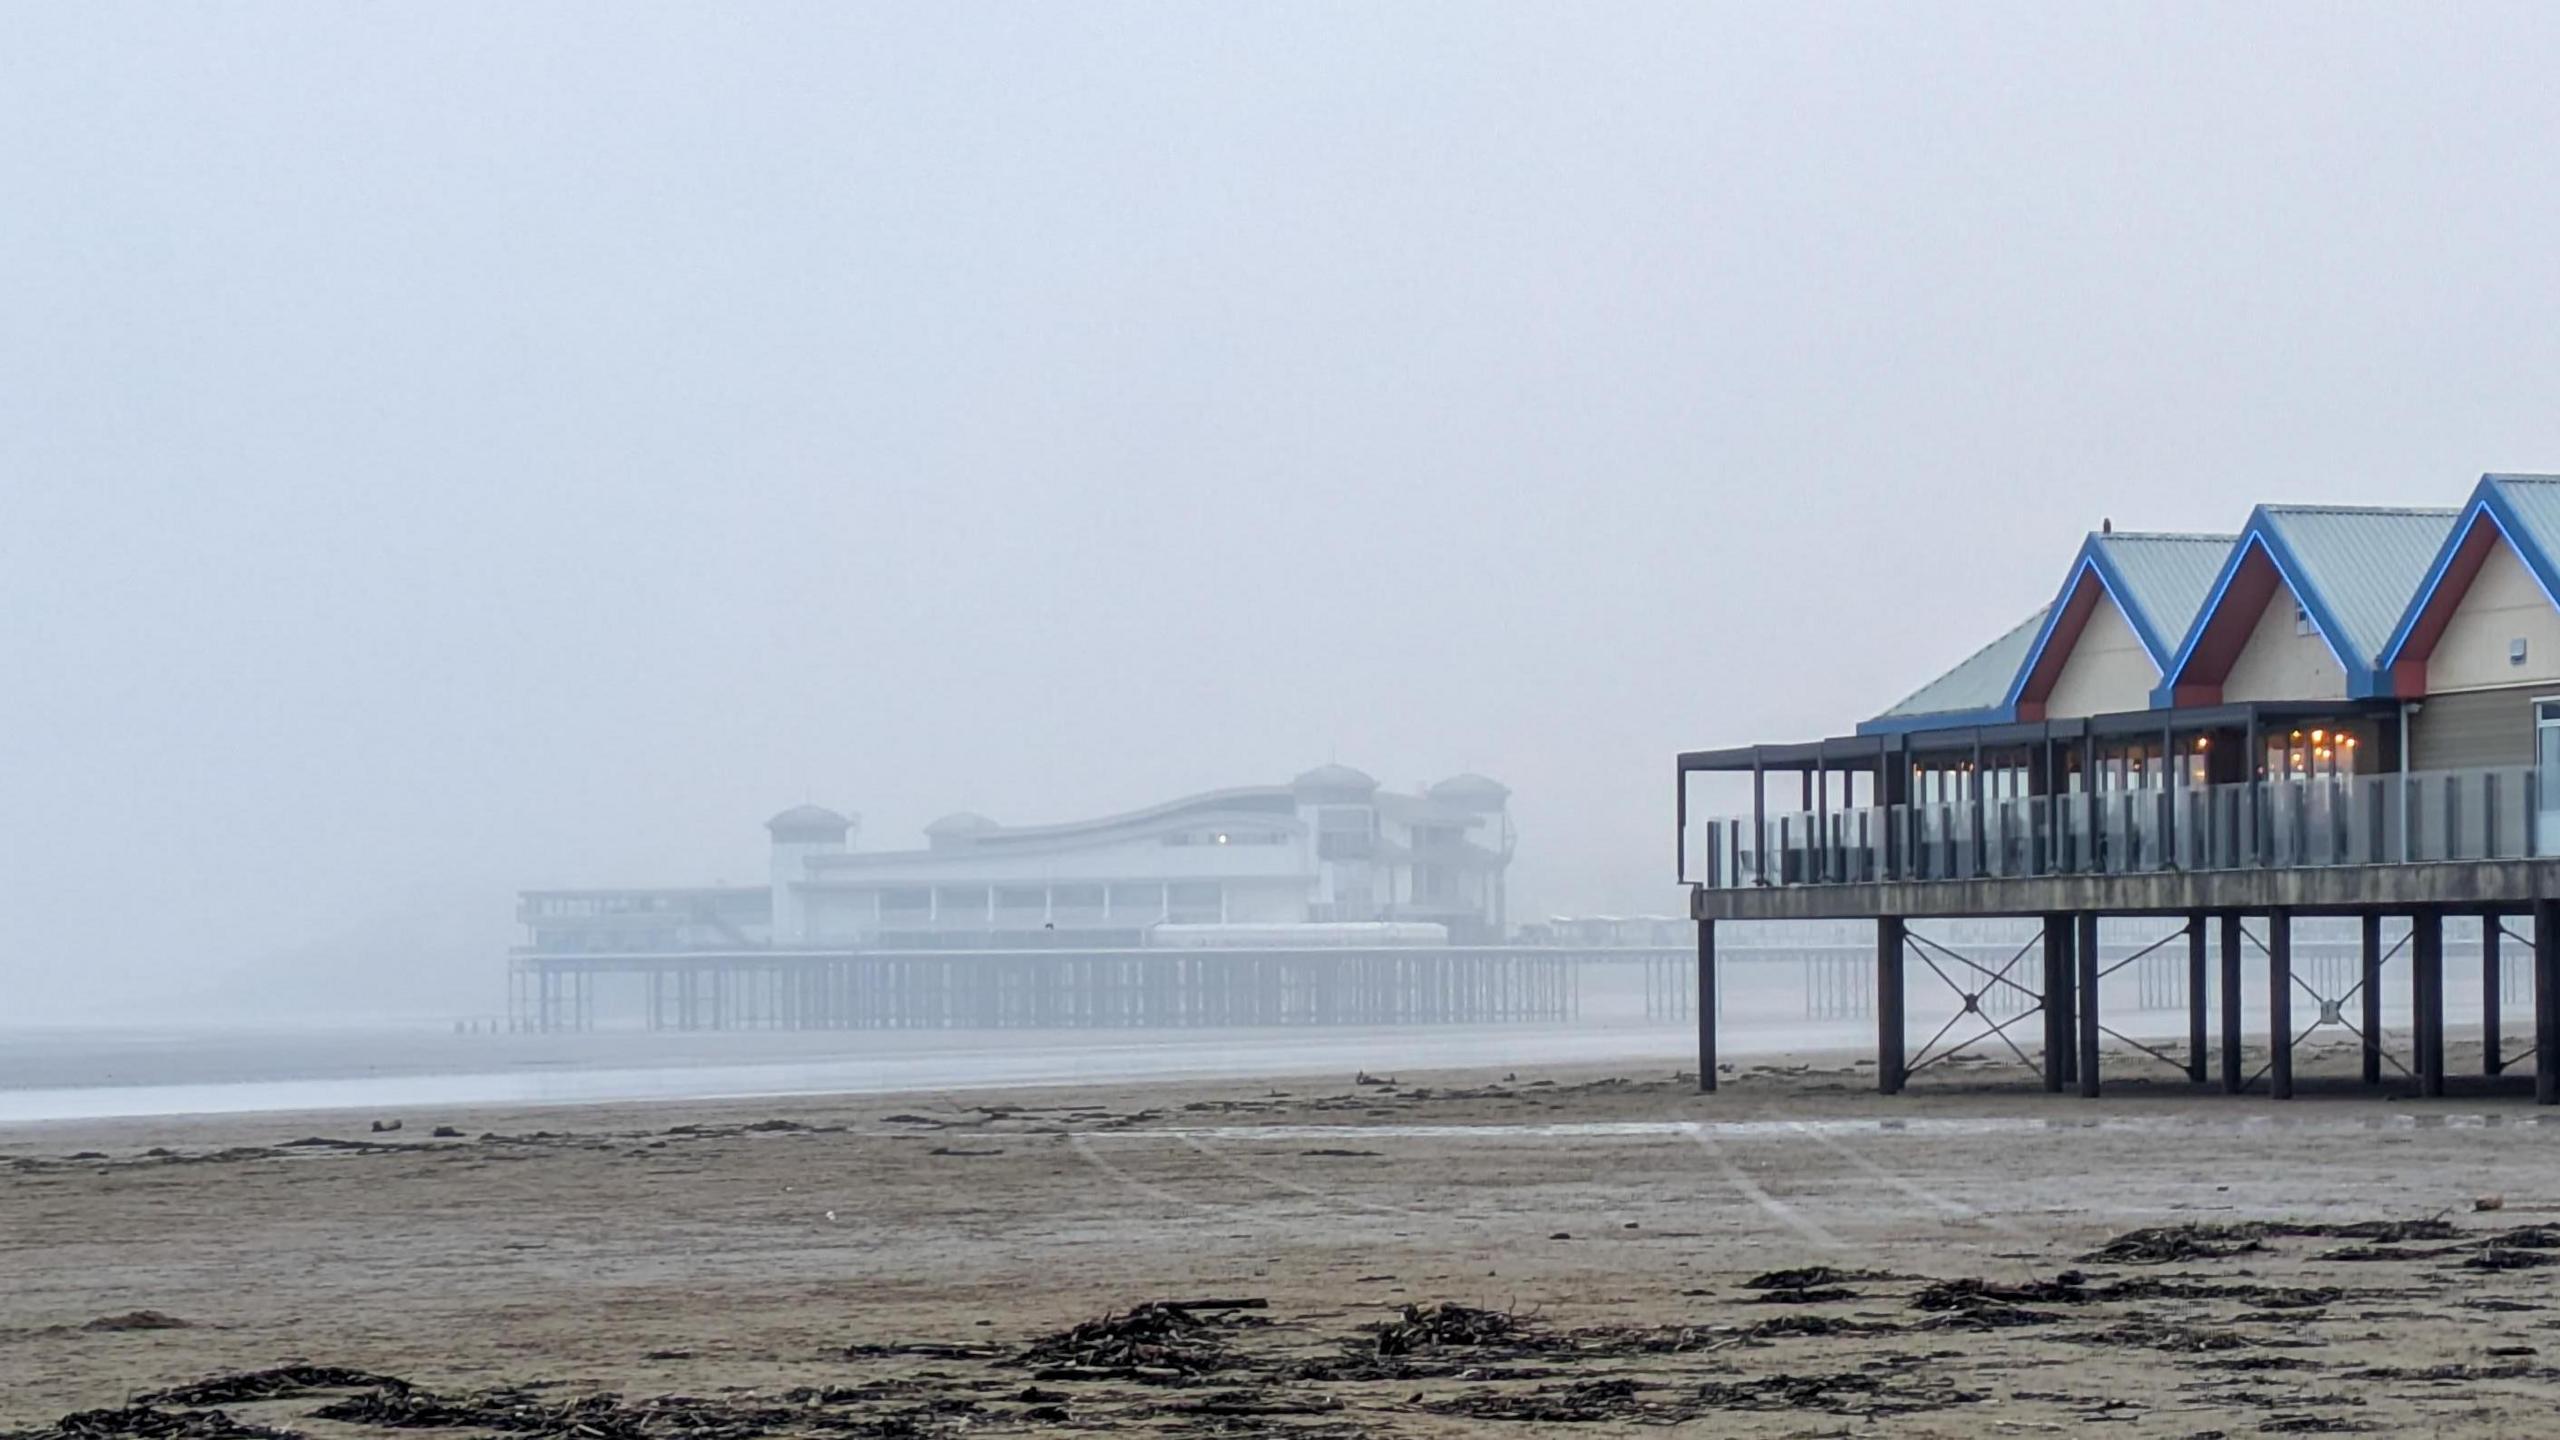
[2334, 712]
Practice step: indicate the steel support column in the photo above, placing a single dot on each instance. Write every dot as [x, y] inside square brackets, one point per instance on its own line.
[1706, 1007]
[2426, 967]
[2280, 1004]
[2369, 991]
[2088, 1002]
[2546, 1002]
[2232, 1079]
[2491, 972]
[1889, 1020]
[2196, 983]
[2057, 983]
[2066, 1000]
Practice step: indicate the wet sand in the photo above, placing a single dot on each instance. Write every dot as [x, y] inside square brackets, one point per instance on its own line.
[887, 1265]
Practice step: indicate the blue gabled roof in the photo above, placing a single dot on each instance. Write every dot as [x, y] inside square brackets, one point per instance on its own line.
[2363, 562]
[2350, 567]
[2156, 581]
[2526, 510]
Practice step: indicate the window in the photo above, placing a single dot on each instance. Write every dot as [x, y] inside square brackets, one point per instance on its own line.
[1344, 833]
[906, 902]
[960, 902]
[1076, 897]
[1143, 901]
[2302, 622]
[1022, 897]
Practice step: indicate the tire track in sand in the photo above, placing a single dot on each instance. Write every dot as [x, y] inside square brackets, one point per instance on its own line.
[1908, 1186]
[1776, 1208]
[1084, 1149]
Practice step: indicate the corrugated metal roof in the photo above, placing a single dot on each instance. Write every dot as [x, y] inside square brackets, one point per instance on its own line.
[1979, 681]
[2535, 499]
[2169, 577]
[2367, 561]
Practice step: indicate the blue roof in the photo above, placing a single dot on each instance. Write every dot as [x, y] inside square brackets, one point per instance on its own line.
[2350, 567]
[1970, 694]
[2157, 581]
[2526, 510]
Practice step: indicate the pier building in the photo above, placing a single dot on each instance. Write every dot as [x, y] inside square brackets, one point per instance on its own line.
[2335, 711]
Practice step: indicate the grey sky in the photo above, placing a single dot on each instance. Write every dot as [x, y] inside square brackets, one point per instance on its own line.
[447, 448]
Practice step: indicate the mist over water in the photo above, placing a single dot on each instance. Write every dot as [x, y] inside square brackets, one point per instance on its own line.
[444, 453]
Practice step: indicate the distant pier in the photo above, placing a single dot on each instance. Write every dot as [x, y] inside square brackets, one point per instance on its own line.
[1051, 989]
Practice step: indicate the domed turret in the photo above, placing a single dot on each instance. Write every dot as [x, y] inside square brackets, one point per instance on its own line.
[800, 834]
[809, 822]
[956, 828]
[1334, 782]
[1472, 792]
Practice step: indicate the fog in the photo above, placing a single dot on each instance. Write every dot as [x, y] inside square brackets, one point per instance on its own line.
[450, 449]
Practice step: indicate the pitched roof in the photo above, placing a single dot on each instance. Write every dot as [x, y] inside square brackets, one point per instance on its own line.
[2350, 567]
[2162, 581]
[2156, 581]
[2523, 508]
[2363, 562]
[2533, 503]
[1979, 682]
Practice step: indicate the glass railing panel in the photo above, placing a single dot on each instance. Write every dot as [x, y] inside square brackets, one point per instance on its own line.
[2429, 817]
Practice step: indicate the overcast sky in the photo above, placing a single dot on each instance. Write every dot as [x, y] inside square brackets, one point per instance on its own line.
[448, 448]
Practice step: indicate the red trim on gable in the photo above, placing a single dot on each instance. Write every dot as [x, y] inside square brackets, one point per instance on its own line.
[2058, 645]
[2227, 630]
[2409, 673]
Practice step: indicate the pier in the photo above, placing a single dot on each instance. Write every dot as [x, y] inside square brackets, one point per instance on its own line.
[2218, 877]
[1046, 989]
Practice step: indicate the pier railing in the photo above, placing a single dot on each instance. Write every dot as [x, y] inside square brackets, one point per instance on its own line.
[2427, 816]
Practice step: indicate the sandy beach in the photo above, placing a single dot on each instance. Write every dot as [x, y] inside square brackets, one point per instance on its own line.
[1454, 1253]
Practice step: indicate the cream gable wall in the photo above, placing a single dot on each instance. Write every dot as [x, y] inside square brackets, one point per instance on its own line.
[2108, 672]
[2504, 604]
[2278, 664]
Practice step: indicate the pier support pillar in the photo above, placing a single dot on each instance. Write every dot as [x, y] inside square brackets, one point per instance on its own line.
[2232, 1079]
[2426, 970]
[2280, 1004]
[1889, 1021]
[2057, 1013]
[2066, 991]
[2492, 970]
[2196, 986]
[1706, 1007]
[2369, 992]
[2087, 946]
[2546, 1002]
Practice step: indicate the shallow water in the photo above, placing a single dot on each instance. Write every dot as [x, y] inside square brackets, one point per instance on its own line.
[114, 1075]
[101, 1072]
